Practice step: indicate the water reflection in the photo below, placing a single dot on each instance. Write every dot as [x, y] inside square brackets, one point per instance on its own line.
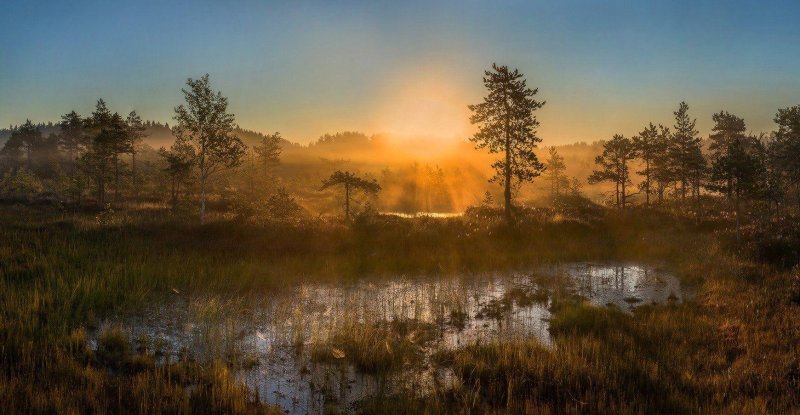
[277, 333]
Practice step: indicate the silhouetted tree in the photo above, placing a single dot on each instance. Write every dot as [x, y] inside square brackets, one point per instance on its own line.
[48, 156]
[136, 132]
[268, 151]
[179, 167]
[786, 146]
[488, 200]
[575, 187]
[109, 133]
[661, 167]
[685, 153]
[737, 169]
[350, 182]
[649, 148]
[205, 129]
[617, 154]
[507, 125]
[20, 183]
[773, 182]
[25, 139]
[282, 206]
[554, 170]
[727, 130]
[12, 149]
[437, 196]
[73, 137]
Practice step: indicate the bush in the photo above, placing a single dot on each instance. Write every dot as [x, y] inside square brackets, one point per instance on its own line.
[20, 184]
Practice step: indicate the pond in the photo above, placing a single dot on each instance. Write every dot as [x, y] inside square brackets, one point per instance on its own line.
[295, 342]
[435, 215]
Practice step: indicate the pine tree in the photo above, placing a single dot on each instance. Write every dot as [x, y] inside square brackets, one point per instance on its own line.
[614, 166]
[736, 171]
[685, 152]
[554, 170]
[773, 182]
[728, 129]
[662, 171]
[178, 167]
[649, 148]
[786, 146]
[109, 133]
[136, 132]
[350, 182]
[507, 125]
[73, 138]
[25, 140]
[268, 151]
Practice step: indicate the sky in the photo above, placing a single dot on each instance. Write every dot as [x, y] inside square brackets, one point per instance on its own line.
[410, 68]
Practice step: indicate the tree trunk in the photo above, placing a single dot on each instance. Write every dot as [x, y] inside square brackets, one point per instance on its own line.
[647, 184]
[507, 190]
[202, 200]
[116, 180]
[624, 180]
[101, 191]
[683, 189]
[697, 196]
[347, 201]
[172, 193]
[133, 175]
[738, 238]
[507, 172]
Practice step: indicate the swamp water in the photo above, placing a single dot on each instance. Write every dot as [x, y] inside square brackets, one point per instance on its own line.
[298, 348]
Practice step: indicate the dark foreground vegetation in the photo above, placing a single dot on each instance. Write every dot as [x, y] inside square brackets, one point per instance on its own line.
[732, 348]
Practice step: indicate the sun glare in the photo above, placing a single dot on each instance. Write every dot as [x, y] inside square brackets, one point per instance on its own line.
[432, 109]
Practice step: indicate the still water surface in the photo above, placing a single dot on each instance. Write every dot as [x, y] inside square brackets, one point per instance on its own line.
[276, 332]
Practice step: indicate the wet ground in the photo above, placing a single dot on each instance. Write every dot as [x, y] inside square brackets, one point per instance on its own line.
[272, 337]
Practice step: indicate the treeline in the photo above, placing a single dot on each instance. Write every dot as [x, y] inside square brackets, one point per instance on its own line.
[102, 159]
[96, 159]
[676, 163]
[105, 159]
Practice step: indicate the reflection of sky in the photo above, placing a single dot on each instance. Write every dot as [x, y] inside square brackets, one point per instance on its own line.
[624, 284]
[269, 326]
[306, 68]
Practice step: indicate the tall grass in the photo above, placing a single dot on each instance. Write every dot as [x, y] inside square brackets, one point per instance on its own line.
[731, 349]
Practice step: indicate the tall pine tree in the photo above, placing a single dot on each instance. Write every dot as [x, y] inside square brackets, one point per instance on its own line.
[728, 130]
[507, 126]
[649, 147]
[686, 157]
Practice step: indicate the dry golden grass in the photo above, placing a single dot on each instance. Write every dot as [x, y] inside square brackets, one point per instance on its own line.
[731, 349]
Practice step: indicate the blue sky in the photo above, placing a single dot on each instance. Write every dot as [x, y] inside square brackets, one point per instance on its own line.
[306, 68]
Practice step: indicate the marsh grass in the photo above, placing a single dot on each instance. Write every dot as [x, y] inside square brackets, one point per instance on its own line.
[379, 347]
[732, 349]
